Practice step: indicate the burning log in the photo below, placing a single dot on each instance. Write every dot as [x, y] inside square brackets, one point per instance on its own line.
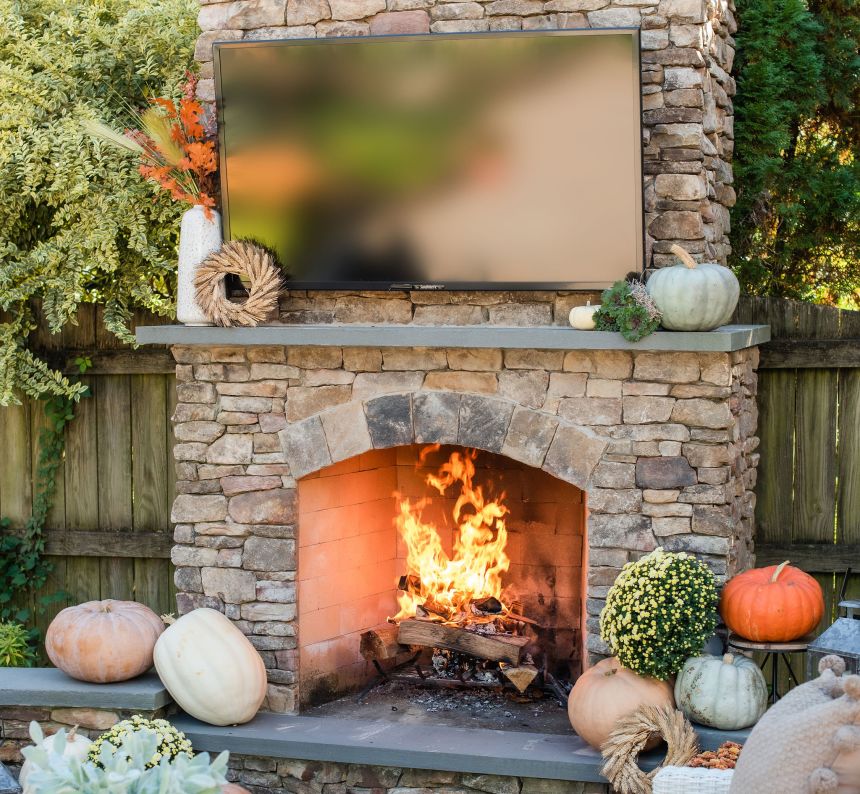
[492, 647]
[381, 643]
[520, 676]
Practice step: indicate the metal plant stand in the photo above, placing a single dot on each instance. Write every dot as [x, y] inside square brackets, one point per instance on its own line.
[775, 652]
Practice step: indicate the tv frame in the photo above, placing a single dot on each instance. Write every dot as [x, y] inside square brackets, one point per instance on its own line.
[487, 286]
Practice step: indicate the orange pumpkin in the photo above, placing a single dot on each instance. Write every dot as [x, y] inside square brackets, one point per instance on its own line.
[605, 693]
[103, 641]
[778, 603]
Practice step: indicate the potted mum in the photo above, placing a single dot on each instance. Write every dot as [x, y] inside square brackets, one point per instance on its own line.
[169, 139]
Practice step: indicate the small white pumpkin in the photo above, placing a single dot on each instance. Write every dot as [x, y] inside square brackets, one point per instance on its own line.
[728, 692]
[692, 296]
[76, 749]
[582, 317]
[210, 668]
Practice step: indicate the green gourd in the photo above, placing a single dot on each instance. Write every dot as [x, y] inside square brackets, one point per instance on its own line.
[693, 296]
[728, 692]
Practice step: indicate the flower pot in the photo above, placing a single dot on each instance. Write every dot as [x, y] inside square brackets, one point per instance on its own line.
[199, 236]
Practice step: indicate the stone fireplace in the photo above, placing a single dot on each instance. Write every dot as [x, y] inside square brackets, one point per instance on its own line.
[289, 457]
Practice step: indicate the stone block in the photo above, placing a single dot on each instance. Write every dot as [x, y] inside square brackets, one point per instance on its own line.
[519, 314]
[526, 387]
[267, 354]
[614, 500]
[575, 5]
[307, 12]
[356, 309]
[372, 384]
[567, 384]
[629, 532]
[444, 314]
[268, 554]
[615, 18]
[664, 473]
[203, 47]
[304, 401]
[231, 448]
[462, 381]
[276, 591]
[609, 474]
[409, 359]
[492, 784]
[667, 367]
[346, 431]
[645, 410]
[550, 360]
[398, 23]
[195, 392]
[702, 413]
[355, 9]
[264, 507]
[484, 422]
[713, 520]
[261, 610]
[656, 432]
[235, 418]
[272, 423]
[231, 486]
[436, 417]
[475, 359]
[683, 10]
[677, 225]
[681, 187]
[231, 585]
[708, 455]
[603, 387]
[529, 436]
[666, 509]
[193, 412]
[254, 405]
[573, 455]
[362, 359]
[192, 556]
[698, 544]
[242, 15]
[717, 370]
[327, 377]
[93, 719]
[457, 10]
[189, 508]
[591, 410]
[315, 357]
[188, 580]
[389, 420]
[267, 371]
[305, 447]
[670, 525]
[205, 432]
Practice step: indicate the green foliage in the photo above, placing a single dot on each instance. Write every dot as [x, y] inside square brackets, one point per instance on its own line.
[627, 307]
[15, 648]
[78, 223]
[23, 567]
[122, 770]
[796, 224]
[171, 742]
[660, 611]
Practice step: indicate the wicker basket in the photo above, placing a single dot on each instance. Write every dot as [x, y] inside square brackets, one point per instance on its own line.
[689, 780]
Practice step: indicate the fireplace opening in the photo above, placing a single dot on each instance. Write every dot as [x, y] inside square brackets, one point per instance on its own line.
[438, 575]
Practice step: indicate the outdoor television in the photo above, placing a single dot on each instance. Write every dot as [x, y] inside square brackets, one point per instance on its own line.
[468, 161]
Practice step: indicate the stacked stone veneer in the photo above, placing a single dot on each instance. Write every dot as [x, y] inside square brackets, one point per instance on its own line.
[264, 775]
[687, 86]
[663, 444]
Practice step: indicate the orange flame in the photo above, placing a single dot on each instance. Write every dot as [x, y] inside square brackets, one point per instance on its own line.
[449, 584]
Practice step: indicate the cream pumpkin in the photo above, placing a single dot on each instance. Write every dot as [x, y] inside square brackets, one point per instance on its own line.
[211, 669]
[76, 749]
[103, 641]
[582, 317]
[608, 691]
[727, 692]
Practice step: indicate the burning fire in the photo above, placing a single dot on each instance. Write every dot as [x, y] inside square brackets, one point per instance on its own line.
[445, 586]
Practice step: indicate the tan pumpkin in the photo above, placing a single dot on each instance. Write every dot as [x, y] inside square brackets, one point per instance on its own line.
[103, 641]
[608, 691]
[232, 788]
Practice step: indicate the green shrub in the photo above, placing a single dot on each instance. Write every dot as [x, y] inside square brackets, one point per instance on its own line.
[78, 223]
[15, 649]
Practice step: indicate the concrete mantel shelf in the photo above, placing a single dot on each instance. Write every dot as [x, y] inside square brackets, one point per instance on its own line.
[725, 339]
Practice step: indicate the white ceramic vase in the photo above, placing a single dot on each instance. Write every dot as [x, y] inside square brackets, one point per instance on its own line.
[199, 236]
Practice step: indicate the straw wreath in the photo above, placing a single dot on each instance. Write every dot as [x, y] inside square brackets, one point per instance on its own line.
[621, 750]
[241, 258]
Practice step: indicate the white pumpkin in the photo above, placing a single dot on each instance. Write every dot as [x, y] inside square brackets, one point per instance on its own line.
[692, 296]
[210, 668]
[76, 749]
[728, 692]
[582, 317]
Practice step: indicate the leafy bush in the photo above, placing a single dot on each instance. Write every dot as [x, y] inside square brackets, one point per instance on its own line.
[78, 222]
[659, 612]
[628, 308]
[15, 650]
[171, 742]
[796, 224]
[122, 769]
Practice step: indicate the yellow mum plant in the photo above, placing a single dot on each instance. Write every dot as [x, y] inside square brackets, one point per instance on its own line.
[660, 611]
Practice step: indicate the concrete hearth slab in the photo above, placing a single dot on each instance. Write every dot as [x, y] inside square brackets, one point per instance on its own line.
[725, 339]
[47, 686]
[417, 746]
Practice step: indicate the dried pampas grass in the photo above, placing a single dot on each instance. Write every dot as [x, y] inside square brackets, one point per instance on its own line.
[250, 261]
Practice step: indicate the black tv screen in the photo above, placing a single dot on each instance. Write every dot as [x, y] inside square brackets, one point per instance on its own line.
[461, 161]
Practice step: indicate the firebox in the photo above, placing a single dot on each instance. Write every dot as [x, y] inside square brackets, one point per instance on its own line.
[437, 563]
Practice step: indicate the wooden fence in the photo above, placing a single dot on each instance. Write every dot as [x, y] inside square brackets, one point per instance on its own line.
[808, 490]
[108, 534]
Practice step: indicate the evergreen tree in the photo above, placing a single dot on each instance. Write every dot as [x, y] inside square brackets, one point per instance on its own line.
[796, 225]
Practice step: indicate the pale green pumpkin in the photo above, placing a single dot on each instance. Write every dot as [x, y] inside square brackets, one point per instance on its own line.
[726, 692]
[693, 296]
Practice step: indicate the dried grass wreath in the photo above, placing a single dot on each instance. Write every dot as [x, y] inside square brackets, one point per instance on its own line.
[630, 735]
[246, 259]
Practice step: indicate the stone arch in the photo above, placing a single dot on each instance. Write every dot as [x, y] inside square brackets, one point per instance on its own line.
[545, 441]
